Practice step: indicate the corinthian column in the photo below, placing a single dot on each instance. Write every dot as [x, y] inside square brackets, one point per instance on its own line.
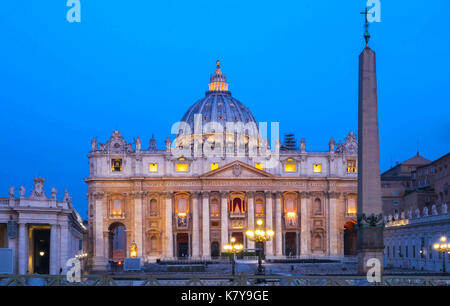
[99, 262]
[205, 227]
[269, 223]
[305, 236]
[195, 227]
[278, 230]
[138, 222]
[169, 228]
[223, 219]
[332, 196]
[251, 217]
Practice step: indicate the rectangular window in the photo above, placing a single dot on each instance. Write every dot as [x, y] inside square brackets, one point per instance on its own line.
[117, 209]
[182, 167]
[351, 166]
[259, 166]
[153, 167]
[290, 167]
[116, 165]
[214, 166]
[80, 245]
[351, 205]
[317, 168]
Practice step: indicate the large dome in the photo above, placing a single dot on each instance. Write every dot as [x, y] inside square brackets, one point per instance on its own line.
[218, 105]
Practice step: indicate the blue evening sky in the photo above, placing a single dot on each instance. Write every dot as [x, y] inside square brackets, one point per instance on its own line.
[138, 65]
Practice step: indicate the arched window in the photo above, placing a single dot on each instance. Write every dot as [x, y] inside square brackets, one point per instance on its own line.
[182, 206]
[153, 207]
[317, 207]
[214, 207]
[290, 205]
[237, 206]
[259, 207]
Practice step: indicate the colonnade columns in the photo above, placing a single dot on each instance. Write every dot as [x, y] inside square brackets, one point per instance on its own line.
[54, 248]
[305, 236]
[169, 228]
[251, 217]
[195, 227]
[99, 261]
[278, 231]
[206, 250]
[223, 219]
[269, 223]
[64, 245]
[23, 249]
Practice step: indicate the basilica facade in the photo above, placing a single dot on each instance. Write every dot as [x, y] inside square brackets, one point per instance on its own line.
[213, 183]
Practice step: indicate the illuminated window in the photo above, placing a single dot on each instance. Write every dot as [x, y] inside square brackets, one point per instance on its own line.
[290, 167]
[351, 206]
[117, 208]
[116, 165]
[214, 166]
[259, 166]
[317, 168]
[351, 166]
[153, 167]
[182, 167]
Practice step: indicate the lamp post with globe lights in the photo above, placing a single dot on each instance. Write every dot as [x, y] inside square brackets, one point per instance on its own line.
[261, 235]
[442, 247]
[233, 248]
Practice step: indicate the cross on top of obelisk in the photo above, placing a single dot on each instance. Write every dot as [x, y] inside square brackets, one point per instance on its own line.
[366, 26]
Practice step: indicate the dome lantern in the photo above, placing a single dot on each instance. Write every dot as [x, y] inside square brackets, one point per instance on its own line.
[218, 81]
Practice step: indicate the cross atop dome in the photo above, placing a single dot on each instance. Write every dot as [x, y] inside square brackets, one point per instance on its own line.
[218, 81]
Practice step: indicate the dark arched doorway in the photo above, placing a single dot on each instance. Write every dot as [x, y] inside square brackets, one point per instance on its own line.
[117, 242]
[350, 238]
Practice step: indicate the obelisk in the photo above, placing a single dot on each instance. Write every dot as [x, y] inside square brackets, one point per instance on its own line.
[370, 220]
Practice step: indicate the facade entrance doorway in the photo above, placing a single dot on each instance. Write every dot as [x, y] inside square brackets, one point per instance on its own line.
[182, 245]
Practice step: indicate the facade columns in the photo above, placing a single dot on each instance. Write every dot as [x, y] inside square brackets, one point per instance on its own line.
[169, 227]
[195, 227]
[23, 249]
[99, 262]
[206, 250]
[278, 228]
[332, 215]
[305, 236]
[138, 223]
[251, 217]
[223, 219]
[54, 250]
[269, 223]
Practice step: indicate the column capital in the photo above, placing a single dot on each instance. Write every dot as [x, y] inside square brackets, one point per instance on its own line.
[166, 194]
[205, 194]
[251, 193]
[98, 195]
[305, 194]
[333, 194]
[268, 193]
[224, 194]
[278, 194]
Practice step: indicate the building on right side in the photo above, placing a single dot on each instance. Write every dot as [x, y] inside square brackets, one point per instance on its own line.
[415, 197]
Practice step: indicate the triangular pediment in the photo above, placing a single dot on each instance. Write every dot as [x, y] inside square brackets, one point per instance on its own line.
[237, 169]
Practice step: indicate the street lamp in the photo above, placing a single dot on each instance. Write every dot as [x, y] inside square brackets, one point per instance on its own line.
[260, 235]
[233, 248]
[442, 247]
